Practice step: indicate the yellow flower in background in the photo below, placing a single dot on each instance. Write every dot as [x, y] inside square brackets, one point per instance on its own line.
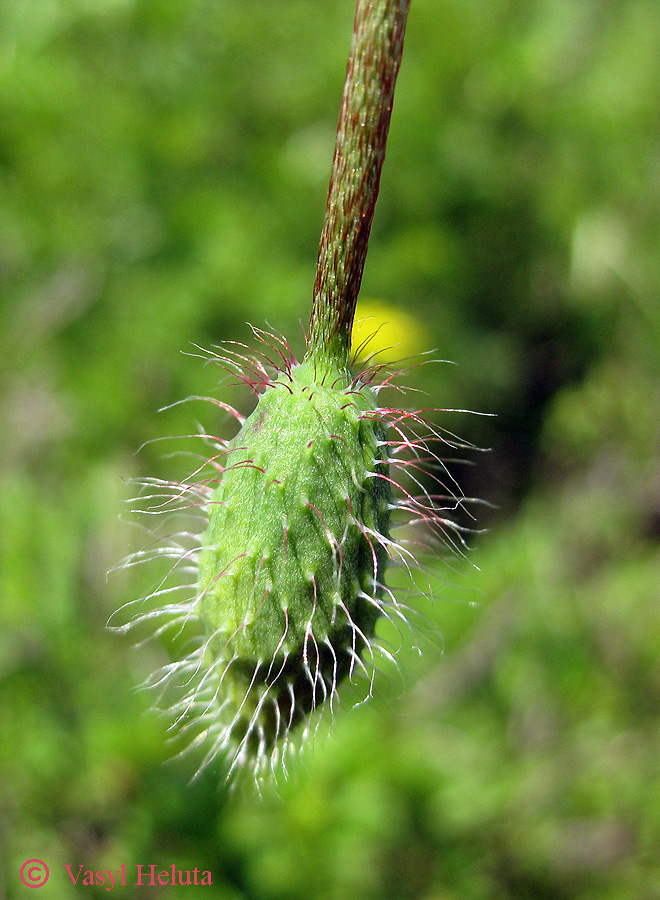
[384, 334]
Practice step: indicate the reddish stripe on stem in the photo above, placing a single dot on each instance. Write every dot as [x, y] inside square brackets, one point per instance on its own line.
[364, 122]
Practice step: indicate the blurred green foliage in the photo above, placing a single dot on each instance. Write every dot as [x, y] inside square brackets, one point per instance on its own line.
[163, 168]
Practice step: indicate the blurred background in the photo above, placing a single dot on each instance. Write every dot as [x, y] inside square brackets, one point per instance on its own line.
[163, 172]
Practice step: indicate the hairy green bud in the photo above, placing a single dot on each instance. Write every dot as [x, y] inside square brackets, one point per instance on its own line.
[276, 586]
[293, 557]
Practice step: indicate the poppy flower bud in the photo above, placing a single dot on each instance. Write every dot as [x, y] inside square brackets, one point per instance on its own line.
[292, 562]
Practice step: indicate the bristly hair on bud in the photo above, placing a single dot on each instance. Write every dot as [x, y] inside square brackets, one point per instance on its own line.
[279, 581]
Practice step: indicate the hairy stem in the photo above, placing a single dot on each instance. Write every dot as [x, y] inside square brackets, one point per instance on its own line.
[364, 122]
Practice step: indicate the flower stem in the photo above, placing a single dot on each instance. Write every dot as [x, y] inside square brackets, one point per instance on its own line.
[364, 122]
